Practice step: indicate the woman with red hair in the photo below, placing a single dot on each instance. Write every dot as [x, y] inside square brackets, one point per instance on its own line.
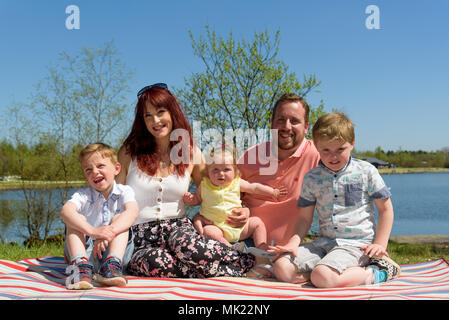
[158, 160]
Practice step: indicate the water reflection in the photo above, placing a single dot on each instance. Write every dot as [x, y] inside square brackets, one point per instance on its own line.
[32, 213]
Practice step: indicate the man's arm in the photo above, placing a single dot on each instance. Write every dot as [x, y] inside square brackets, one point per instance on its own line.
[302, 226]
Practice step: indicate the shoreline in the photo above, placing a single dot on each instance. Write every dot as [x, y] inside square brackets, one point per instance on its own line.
[412, 170]
[439, 240]
[18, 185]
[419, 239]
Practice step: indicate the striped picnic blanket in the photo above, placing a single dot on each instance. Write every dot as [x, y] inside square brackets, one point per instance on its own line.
[44, 278]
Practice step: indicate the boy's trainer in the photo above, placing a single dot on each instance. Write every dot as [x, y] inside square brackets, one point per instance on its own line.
[81, 278]
[110, 273]
[383, 263]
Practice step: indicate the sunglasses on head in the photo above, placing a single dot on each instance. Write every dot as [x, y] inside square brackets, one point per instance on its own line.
[156, 85]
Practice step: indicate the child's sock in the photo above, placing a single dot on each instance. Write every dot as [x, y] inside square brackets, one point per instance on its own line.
[379, 275]
[113, 256]
[80, 258]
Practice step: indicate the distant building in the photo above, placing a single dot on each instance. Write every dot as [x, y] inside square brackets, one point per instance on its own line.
[375, 162]
[11, 178]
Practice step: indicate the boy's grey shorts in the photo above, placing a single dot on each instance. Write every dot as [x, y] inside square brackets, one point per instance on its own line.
[331, 254]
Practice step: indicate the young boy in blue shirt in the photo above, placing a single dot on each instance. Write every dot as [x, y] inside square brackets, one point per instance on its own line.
[97, 220]
[350, 250]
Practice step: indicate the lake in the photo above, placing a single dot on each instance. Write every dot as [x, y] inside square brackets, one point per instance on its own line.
[420, 201]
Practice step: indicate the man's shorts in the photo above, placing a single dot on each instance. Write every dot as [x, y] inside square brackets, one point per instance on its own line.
[330, 254]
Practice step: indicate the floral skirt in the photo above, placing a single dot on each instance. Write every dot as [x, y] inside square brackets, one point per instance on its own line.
[173, 248]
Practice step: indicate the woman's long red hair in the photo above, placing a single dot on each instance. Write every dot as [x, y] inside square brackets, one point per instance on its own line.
[140, 143]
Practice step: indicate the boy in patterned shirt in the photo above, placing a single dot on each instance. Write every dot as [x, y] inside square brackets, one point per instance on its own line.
[350, 250]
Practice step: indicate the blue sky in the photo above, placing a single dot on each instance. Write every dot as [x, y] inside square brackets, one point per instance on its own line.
[392, 82]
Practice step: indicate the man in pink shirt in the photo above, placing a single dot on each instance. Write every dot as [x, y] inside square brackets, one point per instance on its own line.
[285, 165]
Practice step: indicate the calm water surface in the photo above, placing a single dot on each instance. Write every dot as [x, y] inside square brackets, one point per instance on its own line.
[420, 201]
[12, 221]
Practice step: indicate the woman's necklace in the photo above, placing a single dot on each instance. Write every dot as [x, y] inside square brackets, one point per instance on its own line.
[164, 158]
[165, 164]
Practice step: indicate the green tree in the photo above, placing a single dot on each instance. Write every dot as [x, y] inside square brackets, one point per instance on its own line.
[83, 96]
[81, 100]
[240, 83]
[445, 152]
[380, 154]
[8, 159]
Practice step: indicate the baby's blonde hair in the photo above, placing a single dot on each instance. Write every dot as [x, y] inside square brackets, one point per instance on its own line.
[105, 151]
[334, 126]
[222, 152]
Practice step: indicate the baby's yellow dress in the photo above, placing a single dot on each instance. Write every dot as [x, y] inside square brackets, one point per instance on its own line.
[217, 204]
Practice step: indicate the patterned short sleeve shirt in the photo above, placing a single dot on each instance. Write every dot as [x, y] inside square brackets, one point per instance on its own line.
[344, 201]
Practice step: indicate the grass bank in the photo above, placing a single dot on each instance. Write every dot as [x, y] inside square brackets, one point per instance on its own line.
[15, 185]
[404, 253]
[14, 251]
[399, 252]
[411, 170]
[19, 184]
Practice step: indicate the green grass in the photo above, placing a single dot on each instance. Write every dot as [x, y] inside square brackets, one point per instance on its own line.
[414, 253]
[14, 251]
[18, 184]
[401, 253]
[412, 170]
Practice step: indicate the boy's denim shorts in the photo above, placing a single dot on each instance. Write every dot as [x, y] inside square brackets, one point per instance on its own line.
[330, 254]
[97, 263]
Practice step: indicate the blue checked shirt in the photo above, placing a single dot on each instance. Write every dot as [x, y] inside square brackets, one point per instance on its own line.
[96, 209]
[344, 201]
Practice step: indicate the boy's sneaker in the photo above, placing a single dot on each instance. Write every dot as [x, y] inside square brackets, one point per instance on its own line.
[390, 268]
[110, 273]
[80, 276]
